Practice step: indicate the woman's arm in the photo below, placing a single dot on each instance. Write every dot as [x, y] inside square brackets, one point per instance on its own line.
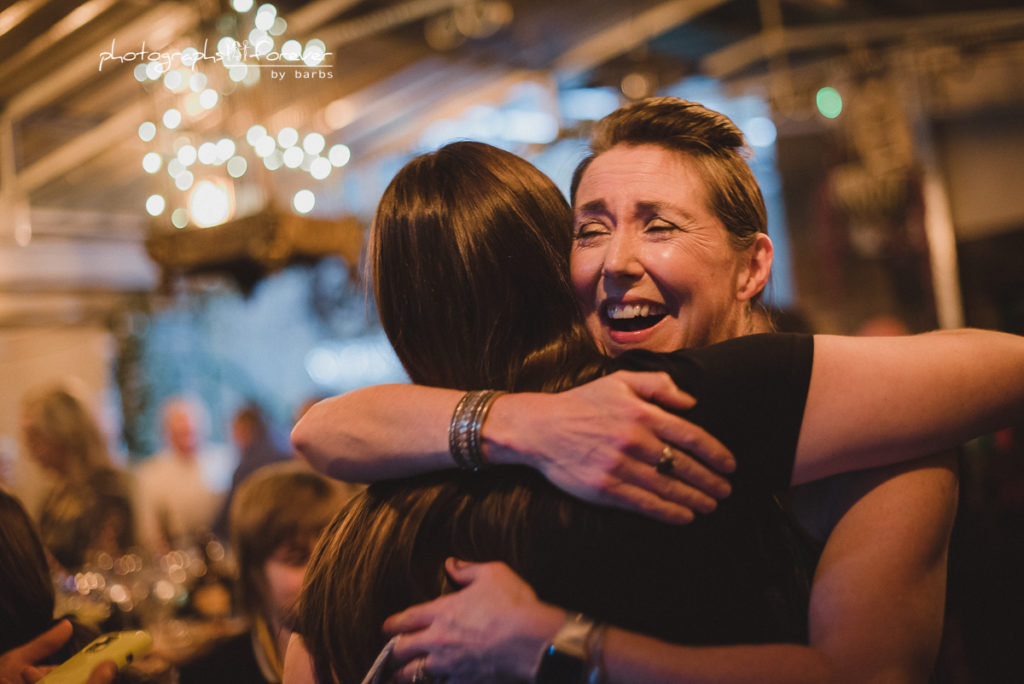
[876, 606]
[875, 401]
[879, 590]
[598, 441]
[494, 629]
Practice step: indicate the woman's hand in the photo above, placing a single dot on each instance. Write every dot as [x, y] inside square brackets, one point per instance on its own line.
[493, 629]
[18, 665]
[602, 441]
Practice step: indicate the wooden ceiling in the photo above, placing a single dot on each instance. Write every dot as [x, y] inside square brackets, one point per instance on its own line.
[70, 155]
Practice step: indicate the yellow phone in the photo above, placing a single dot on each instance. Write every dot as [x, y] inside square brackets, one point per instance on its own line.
[121, 647]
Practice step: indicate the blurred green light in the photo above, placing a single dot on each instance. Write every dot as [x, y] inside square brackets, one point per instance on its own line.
[830, 102]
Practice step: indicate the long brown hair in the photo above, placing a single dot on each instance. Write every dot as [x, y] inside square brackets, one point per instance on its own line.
[27, 599]
[469, 254]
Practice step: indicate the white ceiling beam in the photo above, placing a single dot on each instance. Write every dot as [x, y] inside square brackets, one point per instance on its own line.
[315, 14]
[71, 22]
[17, 13]
[82, 148]
[156, 28]
[382, 20]
[744, 53]
[628, 34]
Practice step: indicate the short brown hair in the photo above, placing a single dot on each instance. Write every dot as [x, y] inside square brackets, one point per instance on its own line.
[710, 139]
[275, 504]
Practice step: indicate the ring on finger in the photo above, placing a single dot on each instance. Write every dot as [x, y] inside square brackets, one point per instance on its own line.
[420, 675]
[666, 464]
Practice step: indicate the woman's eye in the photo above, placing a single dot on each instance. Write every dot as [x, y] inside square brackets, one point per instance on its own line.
[661, 226]
[589, 230]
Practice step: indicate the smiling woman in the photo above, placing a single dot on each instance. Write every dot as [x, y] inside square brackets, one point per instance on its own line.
[670, 247]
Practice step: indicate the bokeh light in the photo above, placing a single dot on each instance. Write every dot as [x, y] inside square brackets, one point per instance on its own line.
[313, 143]
[760, 131]
[339, 155]
[209, 204]
[152, 162]
[172, 118]
[179, 218]
[830, 102]
[287, 137]
[155, 205]
[237, 167]
[304, 201]
[293, 157]
[320, 168]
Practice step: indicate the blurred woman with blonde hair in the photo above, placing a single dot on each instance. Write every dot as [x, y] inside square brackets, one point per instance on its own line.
[89, 508]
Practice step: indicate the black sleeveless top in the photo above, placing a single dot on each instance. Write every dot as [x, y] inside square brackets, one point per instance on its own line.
[737, 575]
[730, 577]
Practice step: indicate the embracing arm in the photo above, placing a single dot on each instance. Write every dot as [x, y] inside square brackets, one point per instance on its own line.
[882, 400]
[597, 441]
[879, 590]
[876, 603]
[494, 628]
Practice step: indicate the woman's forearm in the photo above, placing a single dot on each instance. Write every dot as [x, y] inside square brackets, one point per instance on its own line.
[878, 401]
[631, 658]
[377, 433]
[598, 442]
[495, 628]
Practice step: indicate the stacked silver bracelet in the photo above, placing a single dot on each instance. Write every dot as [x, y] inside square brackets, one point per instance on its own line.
[464, 431]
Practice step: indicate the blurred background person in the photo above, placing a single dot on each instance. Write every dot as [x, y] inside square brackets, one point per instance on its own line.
[89, 509]
[258, 445]
[27, 600]
[276, 517]
[181, 489]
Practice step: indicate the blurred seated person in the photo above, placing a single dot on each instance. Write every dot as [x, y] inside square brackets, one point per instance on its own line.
[276, 518]
[30, 638]
[180, 489]
[90, 507]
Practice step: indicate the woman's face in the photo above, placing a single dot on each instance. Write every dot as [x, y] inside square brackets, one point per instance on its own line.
[284, 571]
[45, 451]
[652, 266]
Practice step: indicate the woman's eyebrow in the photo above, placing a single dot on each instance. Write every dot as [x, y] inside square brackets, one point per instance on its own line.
[596, 206]
[646, 209]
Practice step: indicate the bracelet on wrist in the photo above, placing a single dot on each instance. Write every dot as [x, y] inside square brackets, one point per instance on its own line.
[464, 442]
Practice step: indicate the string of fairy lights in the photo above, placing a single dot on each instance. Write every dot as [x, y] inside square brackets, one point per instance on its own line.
[204, 171]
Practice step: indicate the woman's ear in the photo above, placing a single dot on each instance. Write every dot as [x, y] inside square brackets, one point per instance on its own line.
[756, 269]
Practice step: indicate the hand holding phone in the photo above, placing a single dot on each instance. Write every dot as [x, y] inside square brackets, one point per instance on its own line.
[120, 647]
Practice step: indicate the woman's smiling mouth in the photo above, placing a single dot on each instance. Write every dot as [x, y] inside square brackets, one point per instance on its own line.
[633, 317]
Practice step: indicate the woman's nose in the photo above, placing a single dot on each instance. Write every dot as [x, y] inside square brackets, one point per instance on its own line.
[622, 258]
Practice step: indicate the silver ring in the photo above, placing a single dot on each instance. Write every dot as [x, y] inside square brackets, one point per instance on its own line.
[666, 464]
[420, 674]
